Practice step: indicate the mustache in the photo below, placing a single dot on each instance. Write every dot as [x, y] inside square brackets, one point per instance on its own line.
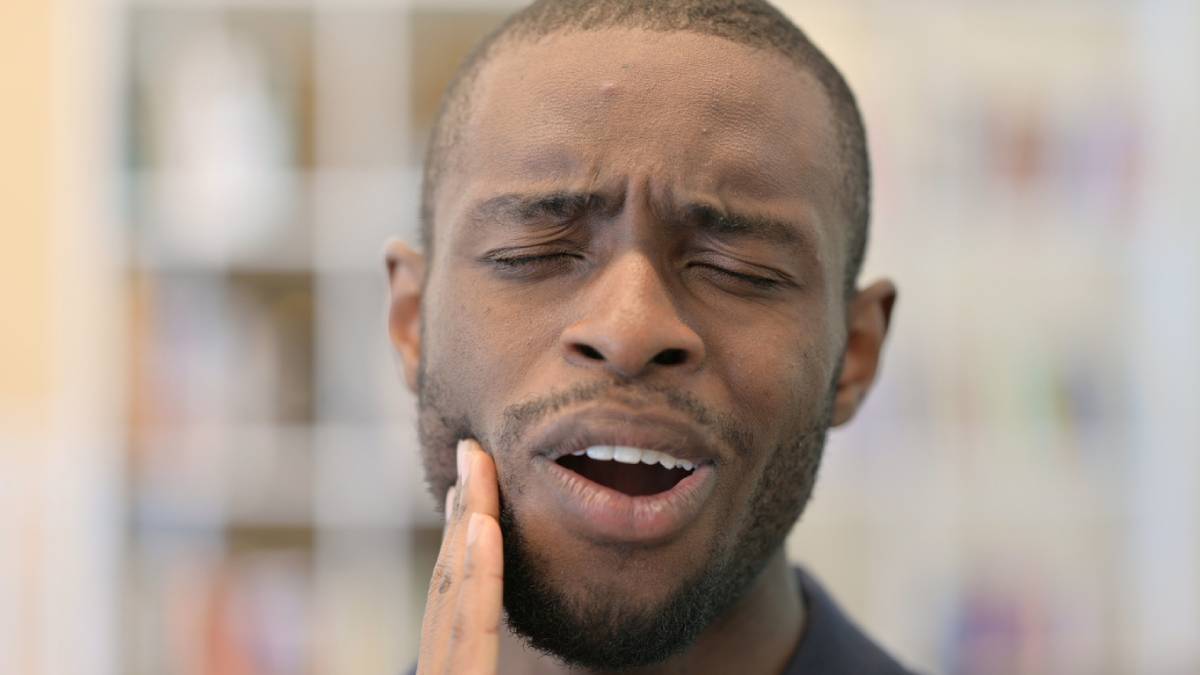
[519, 418]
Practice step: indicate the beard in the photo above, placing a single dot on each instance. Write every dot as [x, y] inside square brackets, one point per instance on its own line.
[589, 627]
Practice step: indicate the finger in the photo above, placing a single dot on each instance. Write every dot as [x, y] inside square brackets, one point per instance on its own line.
[441, 597]
[476, 485]
[456, 510]
[475, 644]
[450, 558]
[480, 488]
[476, 491]
[445, 552]
[448, 507]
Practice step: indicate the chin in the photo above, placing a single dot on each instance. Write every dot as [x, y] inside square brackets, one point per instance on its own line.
[586, 572]
[603, 607]
[627, 587]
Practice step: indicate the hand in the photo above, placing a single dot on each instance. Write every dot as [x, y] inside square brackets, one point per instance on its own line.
[461, 630]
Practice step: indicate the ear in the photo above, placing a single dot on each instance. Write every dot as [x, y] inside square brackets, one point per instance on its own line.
[867, 321]
[406, 277]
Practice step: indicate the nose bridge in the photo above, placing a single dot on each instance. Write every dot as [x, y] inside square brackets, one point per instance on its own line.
[631, 290]
[632, 282]
[629, 322]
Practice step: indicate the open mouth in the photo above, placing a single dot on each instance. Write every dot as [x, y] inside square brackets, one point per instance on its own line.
[632, 471]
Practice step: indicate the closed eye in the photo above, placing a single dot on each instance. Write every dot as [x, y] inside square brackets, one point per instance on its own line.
[524, 260]
[531, 265]
[728, 275]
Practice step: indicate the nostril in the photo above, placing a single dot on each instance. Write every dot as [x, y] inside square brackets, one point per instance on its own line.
[670, 357]
[590, 352]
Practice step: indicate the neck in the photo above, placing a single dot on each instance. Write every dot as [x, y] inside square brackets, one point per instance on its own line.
[757, 635]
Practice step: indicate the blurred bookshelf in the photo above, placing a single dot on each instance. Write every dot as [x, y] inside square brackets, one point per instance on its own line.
[277, 520]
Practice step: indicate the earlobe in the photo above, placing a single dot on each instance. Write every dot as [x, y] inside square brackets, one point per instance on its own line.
[868, 319]
[406, 275]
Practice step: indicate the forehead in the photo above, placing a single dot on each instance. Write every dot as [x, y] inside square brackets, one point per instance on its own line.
[694, 112]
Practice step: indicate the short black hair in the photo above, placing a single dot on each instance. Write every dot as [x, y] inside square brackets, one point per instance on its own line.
[754, 23]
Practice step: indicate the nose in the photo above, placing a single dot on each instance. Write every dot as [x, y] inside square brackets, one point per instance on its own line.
[629, 325]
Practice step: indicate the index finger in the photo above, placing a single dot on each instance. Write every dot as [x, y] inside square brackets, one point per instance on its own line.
[475, 632]
[479, 491]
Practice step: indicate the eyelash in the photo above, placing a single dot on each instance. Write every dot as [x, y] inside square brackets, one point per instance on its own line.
[524, 263]
[762, 283]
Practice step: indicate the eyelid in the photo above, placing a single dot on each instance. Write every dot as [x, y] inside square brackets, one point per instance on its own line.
[750, 272]
[517, 260]
[529, 264]
[528, 252]
[759, 282]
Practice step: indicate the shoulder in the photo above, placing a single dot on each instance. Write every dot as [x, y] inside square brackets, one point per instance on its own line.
[832, 643]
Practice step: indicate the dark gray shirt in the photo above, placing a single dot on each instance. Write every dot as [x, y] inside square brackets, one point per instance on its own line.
[832, 644]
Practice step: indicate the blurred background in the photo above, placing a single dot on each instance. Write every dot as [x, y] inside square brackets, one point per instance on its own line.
[207, 458]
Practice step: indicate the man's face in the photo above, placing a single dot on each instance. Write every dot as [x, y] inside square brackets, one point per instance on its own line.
[639, 245]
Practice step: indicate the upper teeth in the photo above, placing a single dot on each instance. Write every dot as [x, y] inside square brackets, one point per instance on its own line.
[628, 455]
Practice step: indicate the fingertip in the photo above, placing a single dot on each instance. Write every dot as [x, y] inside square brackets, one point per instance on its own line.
[481, 493]
[487, 462]
[463, 460]
[448, 507]
[470, 452]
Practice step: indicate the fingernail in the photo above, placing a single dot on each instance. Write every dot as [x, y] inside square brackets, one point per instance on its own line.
[464, 461]
[474, 527]
[449, 508]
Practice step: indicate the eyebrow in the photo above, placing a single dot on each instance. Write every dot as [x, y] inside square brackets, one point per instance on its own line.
[727, 223]
[519, 208]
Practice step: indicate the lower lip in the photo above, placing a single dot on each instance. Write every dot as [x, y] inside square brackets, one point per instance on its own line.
[610, 516]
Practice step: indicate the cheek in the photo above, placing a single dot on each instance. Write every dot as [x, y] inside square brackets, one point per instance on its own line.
[484, 346]
[452, 352]
[777, 378]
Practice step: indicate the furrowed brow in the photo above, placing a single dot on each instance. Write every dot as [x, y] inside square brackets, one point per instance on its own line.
[734, 225]
[519, 208]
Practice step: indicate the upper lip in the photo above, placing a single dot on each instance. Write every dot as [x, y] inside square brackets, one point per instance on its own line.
[580, 430]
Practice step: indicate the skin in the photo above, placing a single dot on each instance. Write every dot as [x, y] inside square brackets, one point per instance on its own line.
[637, 290]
